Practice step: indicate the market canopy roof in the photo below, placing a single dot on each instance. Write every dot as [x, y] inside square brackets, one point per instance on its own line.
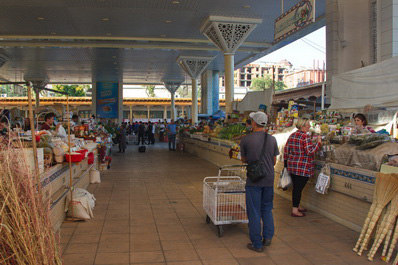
[135, 41]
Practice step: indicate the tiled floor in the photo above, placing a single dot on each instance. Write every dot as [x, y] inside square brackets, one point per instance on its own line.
[149, 211]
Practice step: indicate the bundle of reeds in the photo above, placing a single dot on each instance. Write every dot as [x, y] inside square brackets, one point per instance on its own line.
[385, 190]
[396, 260]
[26, 234]
[392, 245]
[387, 224]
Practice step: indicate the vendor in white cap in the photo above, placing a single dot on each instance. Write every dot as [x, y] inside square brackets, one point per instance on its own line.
[262, 147]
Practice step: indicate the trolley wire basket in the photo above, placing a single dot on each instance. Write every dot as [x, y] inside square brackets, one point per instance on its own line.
[224, 197]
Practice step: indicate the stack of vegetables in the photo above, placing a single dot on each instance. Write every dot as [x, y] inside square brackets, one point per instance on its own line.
[368, 141]
[231, 131]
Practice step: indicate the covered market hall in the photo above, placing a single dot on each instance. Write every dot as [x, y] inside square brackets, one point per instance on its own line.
[178, 190]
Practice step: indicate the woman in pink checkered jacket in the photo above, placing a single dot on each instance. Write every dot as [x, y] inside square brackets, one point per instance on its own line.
[299, 156]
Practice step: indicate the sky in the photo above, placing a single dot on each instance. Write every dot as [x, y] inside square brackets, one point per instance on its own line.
[311, 47]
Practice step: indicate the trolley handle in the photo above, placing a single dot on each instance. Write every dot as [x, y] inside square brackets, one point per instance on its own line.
[232, 166]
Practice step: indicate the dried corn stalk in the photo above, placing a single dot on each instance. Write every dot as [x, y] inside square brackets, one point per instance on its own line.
[386, 189]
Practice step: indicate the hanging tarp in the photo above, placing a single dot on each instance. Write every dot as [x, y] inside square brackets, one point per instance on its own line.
[376, 84]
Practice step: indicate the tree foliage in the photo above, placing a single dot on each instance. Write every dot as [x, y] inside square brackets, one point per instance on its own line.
[72, 90]
[263, 83]
[10, 91]
[150, 91]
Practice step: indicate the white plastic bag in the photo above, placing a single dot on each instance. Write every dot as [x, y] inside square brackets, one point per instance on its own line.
[323, 181]
[95, 176]
[285, 180]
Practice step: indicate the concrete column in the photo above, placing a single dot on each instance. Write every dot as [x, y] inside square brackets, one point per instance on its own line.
[207, 92]
[94, 98]
[183, 110]
[215, 92]
[387, 30]
[37, 99]
[131, 113]
[189, 112]
[229, 82]
[173, 107]
[120, 102]
[194, 101]
[165, 113]
[148, 112]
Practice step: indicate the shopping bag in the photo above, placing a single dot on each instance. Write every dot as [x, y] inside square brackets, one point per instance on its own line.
[285, 180]
[323, 181]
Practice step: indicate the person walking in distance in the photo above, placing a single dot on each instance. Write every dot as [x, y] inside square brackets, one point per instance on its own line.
[262, 147]
[122, 138]
[171, 133]
[299, 155]
[141, 133]
[151, 133]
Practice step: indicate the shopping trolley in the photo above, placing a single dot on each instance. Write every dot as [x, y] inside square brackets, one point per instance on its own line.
[224, 198]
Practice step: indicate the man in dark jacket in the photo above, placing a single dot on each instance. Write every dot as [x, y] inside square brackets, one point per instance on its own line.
[259, 146]
[141, 133]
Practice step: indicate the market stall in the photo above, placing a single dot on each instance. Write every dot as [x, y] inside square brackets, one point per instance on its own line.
[60, 159]
[354, 157]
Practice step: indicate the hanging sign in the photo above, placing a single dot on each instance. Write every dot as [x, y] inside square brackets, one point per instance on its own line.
[296, 18]
[107, 100]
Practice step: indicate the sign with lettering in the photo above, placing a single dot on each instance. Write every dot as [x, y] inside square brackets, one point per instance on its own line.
[107, 100]
[296, 18]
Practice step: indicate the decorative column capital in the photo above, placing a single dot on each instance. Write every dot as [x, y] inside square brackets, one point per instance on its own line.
[172, 84]
[228, 33]
[194, 65]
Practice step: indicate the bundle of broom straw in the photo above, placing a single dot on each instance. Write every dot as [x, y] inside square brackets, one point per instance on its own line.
[26, 234]
[386, 224]
[386, 189]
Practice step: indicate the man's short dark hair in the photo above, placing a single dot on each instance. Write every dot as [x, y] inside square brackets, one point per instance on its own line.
[75, 116]
[49, 116]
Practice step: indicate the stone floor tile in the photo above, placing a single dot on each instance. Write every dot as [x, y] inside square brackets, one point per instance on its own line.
[214, 253]
[181, 255]
[111, 258]
[145, 245]
[197, 262]
[81, 248]
[146, 257]
[144, 236]
[176, 245]
[79, 259]
[113, 247]
[82, 239]
[258, 261]
[291, 259]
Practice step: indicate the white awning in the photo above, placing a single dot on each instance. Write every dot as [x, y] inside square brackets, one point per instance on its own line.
[376, 85]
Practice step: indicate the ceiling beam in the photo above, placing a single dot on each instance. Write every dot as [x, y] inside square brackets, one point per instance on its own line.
[101, 38]
[171, 46]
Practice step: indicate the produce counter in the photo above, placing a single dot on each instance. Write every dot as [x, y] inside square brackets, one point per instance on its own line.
[347, 201]
[55, 182]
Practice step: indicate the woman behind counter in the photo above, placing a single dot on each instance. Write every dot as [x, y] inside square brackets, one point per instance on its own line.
[361, 122]
[299, 156]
